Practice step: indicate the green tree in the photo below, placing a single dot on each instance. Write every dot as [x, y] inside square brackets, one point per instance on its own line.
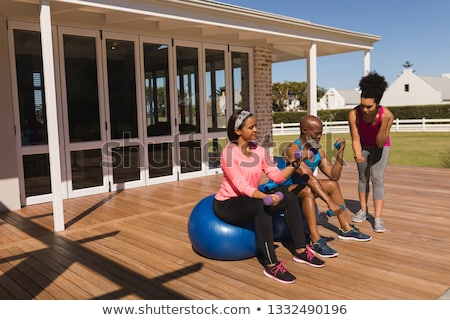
[287, 92]
[279, 96]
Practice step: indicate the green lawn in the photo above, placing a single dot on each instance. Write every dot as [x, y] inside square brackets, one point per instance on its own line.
[422, 149]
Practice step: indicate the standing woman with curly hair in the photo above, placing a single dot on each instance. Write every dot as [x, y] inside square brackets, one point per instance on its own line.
[370, 124]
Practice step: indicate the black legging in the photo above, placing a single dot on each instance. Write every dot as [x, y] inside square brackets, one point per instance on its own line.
[241, 211]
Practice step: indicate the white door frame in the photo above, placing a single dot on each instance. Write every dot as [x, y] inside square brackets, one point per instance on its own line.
[131, 141]
[178, 137]
[78, 146]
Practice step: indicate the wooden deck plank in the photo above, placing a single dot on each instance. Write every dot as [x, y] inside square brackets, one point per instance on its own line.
[134, 244]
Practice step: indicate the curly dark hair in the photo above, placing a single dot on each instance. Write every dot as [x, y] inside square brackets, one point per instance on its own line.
[373, 86]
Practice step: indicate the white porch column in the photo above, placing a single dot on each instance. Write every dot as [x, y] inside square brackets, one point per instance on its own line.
[312, 80]
[366, 62]
[52, 119]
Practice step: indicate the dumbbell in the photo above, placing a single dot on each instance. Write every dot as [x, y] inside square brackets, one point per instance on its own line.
[337, 145]
[298, 154]
[331, 213]
[268, 200]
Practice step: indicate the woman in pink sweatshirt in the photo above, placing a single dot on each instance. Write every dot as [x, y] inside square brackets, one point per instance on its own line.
[239, 202]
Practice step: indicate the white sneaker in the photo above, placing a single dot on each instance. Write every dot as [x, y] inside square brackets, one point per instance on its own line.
[359, 216]
[378, 226]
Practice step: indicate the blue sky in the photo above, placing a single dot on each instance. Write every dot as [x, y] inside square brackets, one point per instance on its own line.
[415, 31]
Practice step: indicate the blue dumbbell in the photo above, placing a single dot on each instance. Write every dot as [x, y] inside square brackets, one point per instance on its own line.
[337, 145]
[331, 213]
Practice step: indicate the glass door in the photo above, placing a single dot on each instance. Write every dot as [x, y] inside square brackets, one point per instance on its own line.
[189, 140]
[101, 118]
[158, 114]
[123, 119]
[30, 112]
[216, 104]
[83, 109]
[241, 79]
[227, 88]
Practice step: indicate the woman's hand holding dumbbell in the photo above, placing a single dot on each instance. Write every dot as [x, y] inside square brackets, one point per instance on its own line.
[271, 200]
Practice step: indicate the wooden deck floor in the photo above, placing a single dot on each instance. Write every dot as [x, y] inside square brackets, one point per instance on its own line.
[134, 245]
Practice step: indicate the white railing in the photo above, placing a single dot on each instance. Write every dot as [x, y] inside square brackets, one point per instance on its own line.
[406, 125]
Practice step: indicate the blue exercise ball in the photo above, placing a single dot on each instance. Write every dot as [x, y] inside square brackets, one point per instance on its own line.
[216, 239]
[281, 230]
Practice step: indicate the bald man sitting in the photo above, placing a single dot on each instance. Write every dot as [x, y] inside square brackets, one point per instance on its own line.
[307, 187]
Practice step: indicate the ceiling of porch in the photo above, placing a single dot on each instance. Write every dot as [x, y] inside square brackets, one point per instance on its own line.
[199, 20]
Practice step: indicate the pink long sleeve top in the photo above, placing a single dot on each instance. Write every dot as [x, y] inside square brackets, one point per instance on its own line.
[242, 174]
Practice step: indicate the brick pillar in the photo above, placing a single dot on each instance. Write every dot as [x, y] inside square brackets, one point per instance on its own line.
[263, 94]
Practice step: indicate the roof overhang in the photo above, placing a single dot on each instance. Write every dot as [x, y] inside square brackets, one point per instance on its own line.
[201, 20]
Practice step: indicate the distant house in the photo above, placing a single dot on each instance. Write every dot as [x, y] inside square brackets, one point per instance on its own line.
[339, 99]
[292, 103]
[412, 89]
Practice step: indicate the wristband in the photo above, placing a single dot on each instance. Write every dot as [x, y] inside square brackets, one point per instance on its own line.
[295, 163]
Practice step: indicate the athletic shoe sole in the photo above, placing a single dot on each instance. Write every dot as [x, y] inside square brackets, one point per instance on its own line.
[325, 256]
[275, 278]
[308, 263]
[354, 239]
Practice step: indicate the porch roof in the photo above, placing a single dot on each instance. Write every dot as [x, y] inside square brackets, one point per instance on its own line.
[204, 20]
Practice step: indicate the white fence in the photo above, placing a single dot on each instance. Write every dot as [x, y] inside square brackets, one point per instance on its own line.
[406, 125]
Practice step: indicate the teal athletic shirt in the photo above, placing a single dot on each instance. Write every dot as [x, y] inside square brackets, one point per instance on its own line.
[295, 178]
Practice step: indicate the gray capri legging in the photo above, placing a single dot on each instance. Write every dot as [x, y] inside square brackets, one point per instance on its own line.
[373, 167]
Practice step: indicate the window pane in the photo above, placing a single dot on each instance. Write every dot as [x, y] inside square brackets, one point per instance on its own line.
[190, 156]
[30, 85]
[37, 174]
[215, 147]
[241, 89]
[160, 159]
[157, 103]
[82, 88]
[126, 164]
[187, 82]
[406, 87]
[122, 89]
[215, 90]
[86, 168]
